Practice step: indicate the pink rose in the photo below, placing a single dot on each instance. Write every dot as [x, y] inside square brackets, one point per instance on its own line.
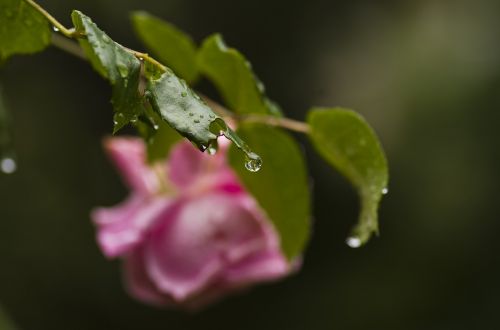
[189, 232]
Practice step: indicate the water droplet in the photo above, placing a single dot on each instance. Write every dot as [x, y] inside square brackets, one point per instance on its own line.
[253, 162]
[212, 150]
[196, 121]
[133, 120]
[8, 165]
[106, 39]
[123, 70]
[184, 94]
[55, 29]
[385, 191]
[156, 127]
[353, 242]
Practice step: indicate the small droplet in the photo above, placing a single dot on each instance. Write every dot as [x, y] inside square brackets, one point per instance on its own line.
[8, 165]
[385, 191]
[353, 242]
[133, 120]
[196, 121]
[55, 29]
[156, 127]
[184, 94]
[253, 162]
[212, 150]
[123, 70]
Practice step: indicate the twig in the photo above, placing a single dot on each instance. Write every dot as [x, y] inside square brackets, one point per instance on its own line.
[74, 49]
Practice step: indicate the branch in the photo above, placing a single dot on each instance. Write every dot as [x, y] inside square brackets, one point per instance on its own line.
[74, 49]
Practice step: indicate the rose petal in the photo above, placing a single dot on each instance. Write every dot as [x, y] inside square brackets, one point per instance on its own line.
[138, 283]
[266, 266]
[123, 226]
[207, 233]
[196, 172]
[129, 156]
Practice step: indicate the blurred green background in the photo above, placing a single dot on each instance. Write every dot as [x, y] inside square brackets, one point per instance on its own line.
[425, 74]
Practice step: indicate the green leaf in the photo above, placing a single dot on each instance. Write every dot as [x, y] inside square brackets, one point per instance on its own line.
[115, 63]
[187, 113]
[168, 44]
[233, 76]
[281, 186]
[22, 29]
[348, 143]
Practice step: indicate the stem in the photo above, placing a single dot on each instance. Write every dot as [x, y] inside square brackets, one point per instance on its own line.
[75, 50]
[293, 125]
[70, 33]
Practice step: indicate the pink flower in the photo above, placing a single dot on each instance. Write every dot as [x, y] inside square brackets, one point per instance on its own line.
[189, 232]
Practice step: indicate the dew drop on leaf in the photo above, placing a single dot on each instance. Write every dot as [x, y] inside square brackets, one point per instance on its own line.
[253, 162]
[353, 242]
[385, 191]
[8, 165]
[106, 39]
[123, 70]
[55, 29]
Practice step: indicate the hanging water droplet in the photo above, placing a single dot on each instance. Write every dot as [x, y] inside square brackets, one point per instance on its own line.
[8, 165]
[212, 150]
[253, 162]
[184, 94]
[123, 70]
[353, 242]
[55, 29]
[385, 191]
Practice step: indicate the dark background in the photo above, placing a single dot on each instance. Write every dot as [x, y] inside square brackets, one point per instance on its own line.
[425, 74]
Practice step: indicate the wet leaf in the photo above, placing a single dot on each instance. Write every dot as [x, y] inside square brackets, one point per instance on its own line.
[187, 113]
[347, 142]
[115, 63]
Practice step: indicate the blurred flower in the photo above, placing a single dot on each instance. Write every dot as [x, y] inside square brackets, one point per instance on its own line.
[189, 232]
